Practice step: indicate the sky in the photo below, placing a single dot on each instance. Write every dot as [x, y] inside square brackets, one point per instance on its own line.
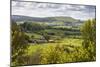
[41, 9]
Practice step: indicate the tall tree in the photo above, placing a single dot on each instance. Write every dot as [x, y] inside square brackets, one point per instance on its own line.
[18, 44]
[89, 35]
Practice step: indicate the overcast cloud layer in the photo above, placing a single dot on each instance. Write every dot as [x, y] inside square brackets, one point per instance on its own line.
[36, 9]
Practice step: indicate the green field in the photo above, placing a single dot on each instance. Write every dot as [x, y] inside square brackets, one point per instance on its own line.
[64, 41]
[51, 44]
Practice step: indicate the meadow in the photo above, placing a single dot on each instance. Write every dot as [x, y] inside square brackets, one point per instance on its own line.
[51, 44]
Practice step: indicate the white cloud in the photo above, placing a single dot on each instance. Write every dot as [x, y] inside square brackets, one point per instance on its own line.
[35, 9]
[14, 3]
[82, 7]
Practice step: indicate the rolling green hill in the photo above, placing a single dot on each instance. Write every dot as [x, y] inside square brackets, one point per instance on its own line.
[45, 19]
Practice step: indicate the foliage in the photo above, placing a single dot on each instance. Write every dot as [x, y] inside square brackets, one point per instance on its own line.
[51, 54]
[89, 35]
[68, 46]
[19, 44]
[30, 27]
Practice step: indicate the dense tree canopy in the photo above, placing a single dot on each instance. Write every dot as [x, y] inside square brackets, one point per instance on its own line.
[29, 26]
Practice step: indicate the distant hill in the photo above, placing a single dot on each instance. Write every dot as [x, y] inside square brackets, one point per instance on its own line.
[64, 19]
[45, 19]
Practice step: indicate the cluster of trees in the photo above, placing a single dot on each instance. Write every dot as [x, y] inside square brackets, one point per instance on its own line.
[53, 54]
[18, 44]
[31, 27]
[89, 35]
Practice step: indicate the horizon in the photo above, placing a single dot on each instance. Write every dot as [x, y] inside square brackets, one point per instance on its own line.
[51, 17]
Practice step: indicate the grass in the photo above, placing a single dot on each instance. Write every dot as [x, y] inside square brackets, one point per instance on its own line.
[33, 34]
[65, 41]
[33, 48]
[72, 41]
